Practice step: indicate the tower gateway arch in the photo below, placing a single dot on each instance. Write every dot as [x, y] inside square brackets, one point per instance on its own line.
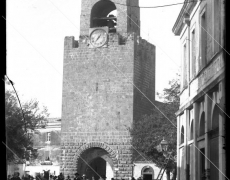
[104, 71]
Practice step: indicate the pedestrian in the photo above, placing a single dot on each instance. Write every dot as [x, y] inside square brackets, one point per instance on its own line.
[68, 178]
[83, 177]
[104, 177]
[26, 177]
[42, 177]
[77, 176]
[60, 177]
[9, 177]
[38, 177]
[16, 176]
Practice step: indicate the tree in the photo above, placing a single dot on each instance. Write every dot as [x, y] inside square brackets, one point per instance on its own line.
[148, 132]
[18, 128]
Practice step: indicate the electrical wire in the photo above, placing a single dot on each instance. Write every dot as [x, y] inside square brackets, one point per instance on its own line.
[12, 84]
[167, 5]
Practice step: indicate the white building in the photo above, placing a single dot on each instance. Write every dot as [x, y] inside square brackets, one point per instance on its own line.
[201, 118]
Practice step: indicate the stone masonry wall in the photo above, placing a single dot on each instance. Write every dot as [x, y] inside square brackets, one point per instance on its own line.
[98, 96]
[144, 78]
[97, 99]
[97, 87]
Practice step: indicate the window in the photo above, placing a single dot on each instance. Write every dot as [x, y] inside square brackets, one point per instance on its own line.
[203, 57]
[48, 136]
[96, 86]
[185, 82]
[215, 118]
[193, 60]
[216, 25]
[47, 156]
[202, 125]
[182, 135]
[191, 131]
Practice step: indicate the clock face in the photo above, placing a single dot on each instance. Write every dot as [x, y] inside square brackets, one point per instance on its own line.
[98, 37]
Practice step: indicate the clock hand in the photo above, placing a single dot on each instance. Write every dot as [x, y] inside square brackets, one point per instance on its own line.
[98, 37]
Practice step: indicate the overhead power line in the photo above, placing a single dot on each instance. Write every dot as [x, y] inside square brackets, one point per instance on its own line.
[12, 84]
[159, 6]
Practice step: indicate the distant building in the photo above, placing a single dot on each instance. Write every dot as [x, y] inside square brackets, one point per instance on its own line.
[47, 142]
[145, 169]
[201, 118]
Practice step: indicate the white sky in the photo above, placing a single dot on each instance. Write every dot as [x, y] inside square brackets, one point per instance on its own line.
[35, 43]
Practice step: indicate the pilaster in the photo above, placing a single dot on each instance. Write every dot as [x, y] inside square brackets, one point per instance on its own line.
[178, 144]
[186, 147]
[207, 110]
[195, 145]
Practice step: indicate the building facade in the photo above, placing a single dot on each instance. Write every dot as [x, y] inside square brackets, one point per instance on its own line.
[201, 116]
[104, 72]
[47, 141]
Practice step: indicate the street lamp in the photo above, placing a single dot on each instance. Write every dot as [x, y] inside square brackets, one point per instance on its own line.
[164, 145]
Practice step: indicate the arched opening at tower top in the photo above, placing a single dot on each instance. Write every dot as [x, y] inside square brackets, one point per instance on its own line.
[104, 13]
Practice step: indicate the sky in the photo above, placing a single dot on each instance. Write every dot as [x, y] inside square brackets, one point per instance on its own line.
[35, 45]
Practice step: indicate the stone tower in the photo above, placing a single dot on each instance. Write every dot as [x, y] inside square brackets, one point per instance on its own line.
[104, 72]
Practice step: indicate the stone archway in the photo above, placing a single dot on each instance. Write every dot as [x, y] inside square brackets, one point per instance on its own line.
[96, 159]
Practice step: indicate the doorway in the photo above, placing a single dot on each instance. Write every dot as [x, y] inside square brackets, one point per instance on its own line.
[95, 162]
[97, 168]
[147, 176]
[147, 173]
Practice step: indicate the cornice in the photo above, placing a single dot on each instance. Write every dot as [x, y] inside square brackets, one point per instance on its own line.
[186, 8]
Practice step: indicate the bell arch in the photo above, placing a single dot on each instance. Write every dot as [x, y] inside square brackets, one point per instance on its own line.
[99, 14]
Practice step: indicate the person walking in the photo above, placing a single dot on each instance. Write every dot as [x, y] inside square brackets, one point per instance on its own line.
[26, 177]
[77, 176]
[38, 177]
[16, 176]
[83, 177]
[104, 177]
[68, 178]
[61, 177]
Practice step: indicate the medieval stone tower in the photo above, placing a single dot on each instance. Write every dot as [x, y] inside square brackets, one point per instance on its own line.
[104, 72]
